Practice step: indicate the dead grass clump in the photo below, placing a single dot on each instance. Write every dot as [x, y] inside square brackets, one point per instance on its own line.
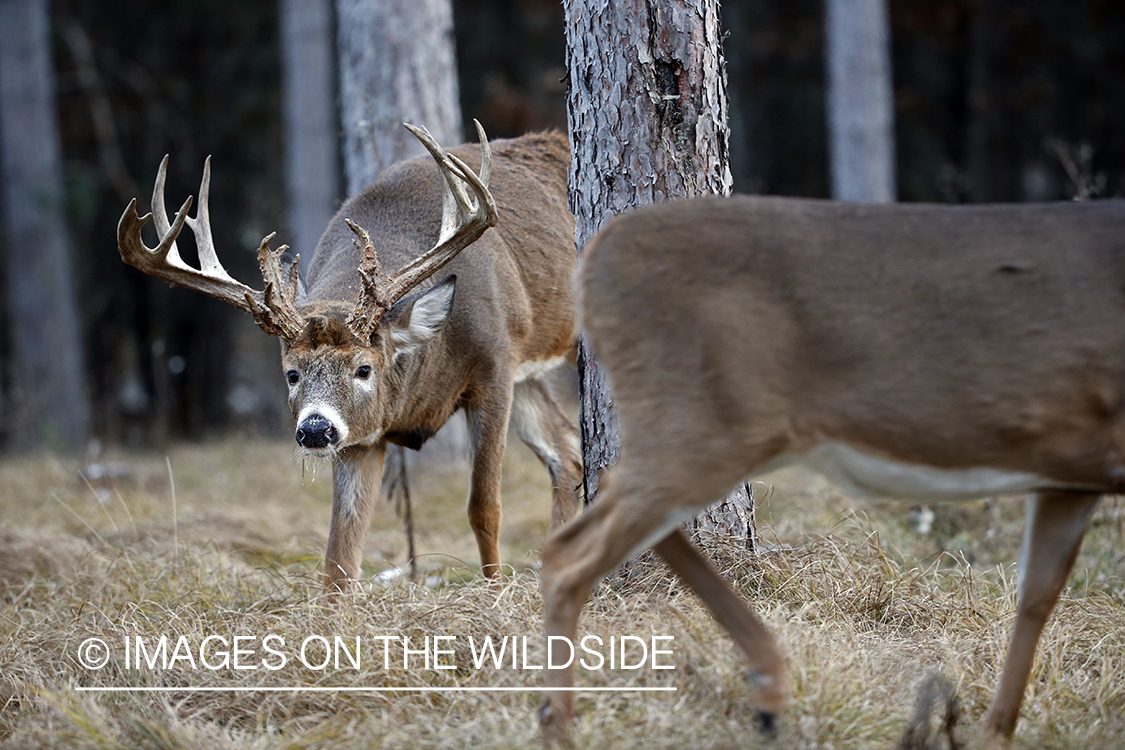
[28, 553]
[865, 613]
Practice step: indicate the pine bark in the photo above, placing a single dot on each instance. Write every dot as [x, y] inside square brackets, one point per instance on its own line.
[48, 406]
[861, 137]
[647, 112]
[733, 516]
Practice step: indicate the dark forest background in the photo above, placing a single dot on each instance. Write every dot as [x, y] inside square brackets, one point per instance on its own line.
[995, 100]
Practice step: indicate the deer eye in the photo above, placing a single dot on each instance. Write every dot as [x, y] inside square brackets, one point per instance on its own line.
[293, 377]
[364, 372]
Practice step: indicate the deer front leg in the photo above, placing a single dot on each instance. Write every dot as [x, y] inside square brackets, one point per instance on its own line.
[488, 437]
[356, 475]
[1055, 525]
[751, 635]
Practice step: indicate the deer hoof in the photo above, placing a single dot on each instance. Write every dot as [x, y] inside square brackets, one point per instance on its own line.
[554, 726]
[766, 722]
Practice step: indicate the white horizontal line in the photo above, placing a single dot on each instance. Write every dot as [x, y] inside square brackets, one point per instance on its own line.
[164, 689]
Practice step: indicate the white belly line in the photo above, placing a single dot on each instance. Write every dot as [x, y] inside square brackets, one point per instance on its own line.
[863, 474]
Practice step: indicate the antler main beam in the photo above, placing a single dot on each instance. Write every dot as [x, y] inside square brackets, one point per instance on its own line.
[273, 308]
[464, 218]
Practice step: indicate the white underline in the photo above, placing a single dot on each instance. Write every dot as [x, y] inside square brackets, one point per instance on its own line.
[165, 689]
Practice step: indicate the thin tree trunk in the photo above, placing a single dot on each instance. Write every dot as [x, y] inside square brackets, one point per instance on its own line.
[860, 101]
[648, 122]
[49, 401]
[397, 64]
[312, 178]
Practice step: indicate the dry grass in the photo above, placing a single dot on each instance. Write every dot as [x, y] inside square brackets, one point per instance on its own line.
[865, 610]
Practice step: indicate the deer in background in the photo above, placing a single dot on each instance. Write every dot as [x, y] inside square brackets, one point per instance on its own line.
[373, 358]
[910, 351]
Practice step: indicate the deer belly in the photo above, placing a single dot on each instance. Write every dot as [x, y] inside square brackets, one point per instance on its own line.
[864, 474]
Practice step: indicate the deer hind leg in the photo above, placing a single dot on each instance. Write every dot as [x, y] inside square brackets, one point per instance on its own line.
[637, 507]
[1055, 525]
[488, 436]
[751, 635]
[575, 557]
[540, 423]
[356, 475]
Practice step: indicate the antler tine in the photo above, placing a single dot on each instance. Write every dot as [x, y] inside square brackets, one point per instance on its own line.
[464, 218]
[280, 293]
[486, 153]
[273, 309]
[160, 213]
[369, 259]
[132, 247]
[372, 302]
[201, 227]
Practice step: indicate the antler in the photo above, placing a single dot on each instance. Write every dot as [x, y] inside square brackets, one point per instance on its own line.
[273, 309]
[464, 219]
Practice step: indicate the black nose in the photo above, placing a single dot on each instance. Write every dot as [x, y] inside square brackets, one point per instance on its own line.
[316, 432]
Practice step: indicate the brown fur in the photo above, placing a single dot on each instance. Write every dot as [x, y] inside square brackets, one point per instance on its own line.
[738, 332]
[513, 303]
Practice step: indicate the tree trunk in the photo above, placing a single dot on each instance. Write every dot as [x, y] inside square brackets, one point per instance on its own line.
[49, 406]
[861, 143]
[397, 65]
[311, 173]
[648, 122]
[732, 516]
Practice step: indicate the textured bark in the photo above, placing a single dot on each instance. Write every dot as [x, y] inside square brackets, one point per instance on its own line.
[312, 180]
[48, 402]
[648, 122]
[647, 106]
[732, 516]
[397, 65]
[861, 130]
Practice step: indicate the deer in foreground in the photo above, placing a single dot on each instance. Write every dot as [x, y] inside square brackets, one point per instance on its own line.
[373, 358]
[907, 351]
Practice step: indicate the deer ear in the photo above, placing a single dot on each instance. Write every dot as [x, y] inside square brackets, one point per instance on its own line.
[418, 318]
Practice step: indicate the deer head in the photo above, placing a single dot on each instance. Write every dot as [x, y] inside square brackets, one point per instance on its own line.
[344, 360]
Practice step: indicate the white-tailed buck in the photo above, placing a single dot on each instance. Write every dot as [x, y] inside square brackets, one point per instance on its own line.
[373, 358]
[907, 351]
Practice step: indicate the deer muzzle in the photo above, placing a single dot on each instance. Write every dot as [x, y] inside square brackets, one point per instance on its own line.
[316, 432]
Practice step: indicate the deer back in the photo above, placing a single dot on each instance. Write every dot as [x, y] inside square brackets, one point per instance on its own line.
[944, 336]
[515, 281]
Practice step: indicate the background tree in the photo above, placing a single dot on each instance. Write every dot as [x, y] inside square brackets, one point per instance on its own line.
[397, 64]
[861, 125]
[648, 122]
[312, 182]
[47, 406]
